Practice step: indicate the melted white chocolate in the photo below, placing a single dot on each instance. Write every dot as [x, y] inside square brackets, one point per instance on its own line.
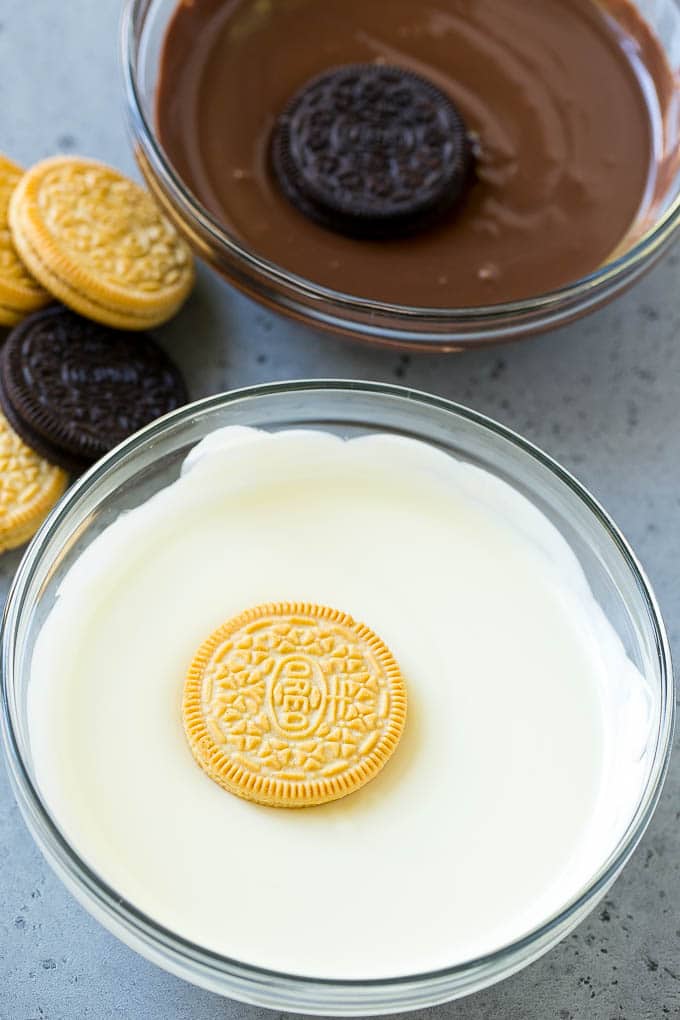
[507, 789]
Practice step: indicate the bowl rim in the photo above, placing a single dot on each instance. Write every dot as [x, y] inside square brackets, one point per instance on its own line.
[653, 241]
[249, 979]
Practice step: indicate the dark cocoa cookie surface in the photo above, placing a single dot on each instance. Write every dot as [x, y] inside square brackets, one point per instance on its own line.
[38, 443]
[371, 151]
[80, 388]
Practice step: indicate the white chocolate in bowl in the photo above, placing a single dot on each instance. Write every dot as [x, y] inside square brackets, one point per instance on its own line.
[510, 781]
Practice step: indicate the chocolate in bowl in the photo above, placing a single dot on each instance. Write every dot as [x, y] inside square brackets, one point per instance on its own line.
[147, 463]
[541, 236]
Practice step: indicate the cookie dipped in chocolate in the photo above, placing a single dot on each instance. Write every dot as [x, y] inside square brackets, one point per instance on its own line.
[556, 95]
[371, 151]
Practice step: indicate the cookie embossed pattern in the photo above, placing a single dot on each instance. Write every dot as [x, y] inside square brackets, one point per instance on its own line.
[293, 704]
[372, 151]
[29, 488]
[98, 242]
[19, 292]
[73, 388]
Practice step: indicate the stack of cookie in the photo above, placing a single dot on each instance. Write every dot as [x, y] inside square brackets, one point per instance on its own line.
[74, 379]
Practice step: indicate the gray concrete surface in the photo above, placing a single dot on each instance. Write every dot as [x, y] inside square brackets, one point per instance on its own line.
[602, 396]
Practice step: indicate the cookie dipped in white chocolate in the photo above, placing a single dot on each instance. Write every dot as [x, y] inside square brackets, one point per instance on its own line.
[503, 795]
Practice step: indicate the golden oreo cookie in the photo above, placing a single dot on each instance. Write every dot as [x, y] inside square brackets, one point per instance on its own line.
[29, 488]
[19, 292]
[97, 241]
[293, 704]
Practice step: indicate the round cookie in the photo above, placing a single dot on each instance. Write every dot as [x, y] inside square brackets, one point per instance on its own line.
[20, 293]
[39, 444]
[98, 242]
[75, 388]
[371, 151]
[293, 705]
[29, 488]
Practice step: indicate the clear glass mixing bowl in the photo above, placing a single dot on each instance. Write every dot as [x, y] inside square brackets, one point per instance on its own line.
[436, 329]
[149, 461]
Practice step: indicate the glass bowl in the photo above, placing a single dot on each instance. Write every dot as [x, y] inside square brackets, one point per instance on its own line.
[415, 328]
[149, 461]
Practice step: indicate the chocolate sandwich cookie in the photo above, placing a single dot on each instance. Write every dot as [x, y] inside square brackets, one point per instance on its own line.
[371, 151]
[38, 443]
[74, 389]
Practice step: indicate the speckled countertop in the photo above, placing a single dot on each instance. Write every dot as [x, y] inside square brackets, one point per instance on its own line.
[602, 396]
